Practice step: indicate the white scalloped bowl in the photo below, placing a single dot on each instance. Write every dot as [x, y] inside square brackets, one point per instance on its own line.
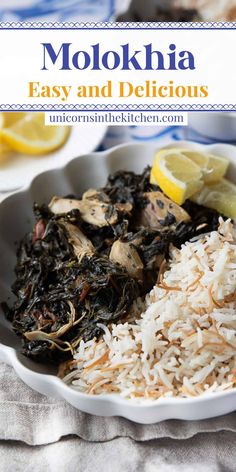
[16, 219]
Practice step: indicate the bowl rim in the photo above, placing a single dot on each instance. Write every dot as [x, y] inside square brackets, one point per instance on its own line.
[152, 145]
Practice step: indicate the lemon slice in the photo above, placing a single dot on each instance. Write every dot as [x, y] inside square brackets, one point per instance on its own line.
[5, 153]
[152, 178]
[213, 167]
[177, 175]
[220, 196]
[2, 119]
[27, 133]
[4, 148]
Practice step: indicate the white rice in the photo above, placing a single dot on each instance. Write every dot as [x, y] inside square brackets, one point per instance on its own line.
[184, 343]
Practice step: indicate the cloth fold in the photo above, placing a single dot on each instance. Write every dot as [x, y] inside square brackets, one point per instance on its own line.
[35, 419]
[204, 453]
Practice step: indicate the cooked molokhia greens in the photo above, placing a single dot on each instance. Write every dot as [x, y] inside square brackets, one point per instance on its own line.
[184, 343]
[88, 259]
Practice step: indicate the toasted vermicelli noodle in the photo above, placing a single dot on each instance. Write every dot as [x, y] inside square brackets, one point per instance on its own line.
[184, 343]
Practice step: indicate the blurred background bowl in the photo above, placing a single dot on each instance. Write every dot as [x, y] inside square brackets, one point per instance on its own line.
[220, 126]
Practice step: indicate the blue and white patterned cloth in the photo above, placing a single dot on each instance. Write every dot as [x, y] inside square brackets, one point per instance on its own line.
[163, 135]
[58, 10]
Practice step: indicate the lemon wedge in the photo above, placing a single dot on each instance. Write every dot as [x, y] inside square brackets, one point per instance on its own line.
[178, 176]
[2, 119]
[220, 196]
[213, 167]
[5, 152]
[4, 148]
[27, 133]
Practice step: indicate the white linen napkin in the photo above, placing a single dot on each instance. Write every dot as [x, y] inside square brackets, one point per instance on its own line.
[203, 453]
[36, 419]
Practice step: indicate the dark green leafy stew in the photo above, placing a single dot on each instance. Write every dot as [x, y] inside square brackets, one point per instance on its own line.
[87, 260]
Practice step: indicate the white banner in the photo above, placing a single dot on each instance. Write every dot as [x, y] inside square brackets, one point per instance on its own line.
[126, 67]
[116, 118]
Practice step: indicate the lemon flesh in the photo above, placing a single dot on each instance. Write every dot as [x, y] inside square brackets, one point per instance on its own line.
[177, 175]
[2, 119]
[213, 167]
[220, 196]
[4, 148]
[27, 133]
